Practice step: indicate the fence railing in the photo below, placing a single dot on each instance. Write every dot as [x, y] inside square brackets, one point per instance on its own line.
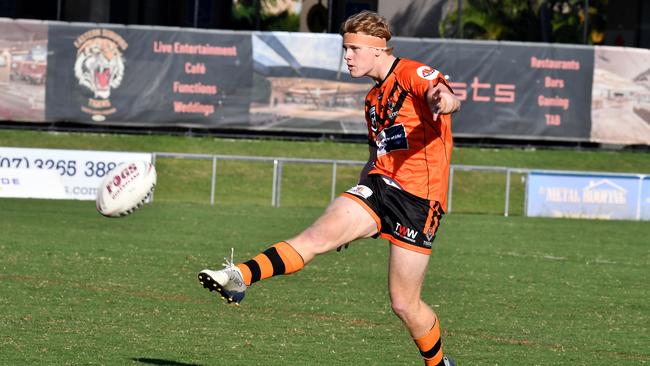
[279, 162]
[480, 168]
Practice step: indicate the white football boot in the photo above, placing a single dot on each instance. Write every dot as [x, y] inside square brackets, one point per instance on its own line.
[447, 362]
[228, 282]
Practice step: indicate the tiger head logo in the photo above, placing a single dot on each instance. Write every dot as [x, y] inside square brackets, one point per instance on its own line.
[99, 66]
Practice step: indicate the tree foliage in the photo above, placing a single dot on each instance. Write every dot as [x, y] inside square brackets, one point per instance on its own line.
[245, 13]
[561, 21]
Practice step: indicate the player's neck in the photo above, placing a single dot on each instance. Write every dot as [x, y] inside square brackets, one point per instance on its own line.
[384, 64]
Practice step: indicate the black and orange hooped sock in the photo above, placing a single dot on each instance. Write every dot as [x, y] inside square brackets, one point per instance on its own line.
[430, 346]
[279, 259]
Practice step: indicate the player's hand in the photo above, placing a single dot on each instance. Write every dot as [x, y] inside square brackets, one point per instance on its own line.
[434, 100]
[440, 100]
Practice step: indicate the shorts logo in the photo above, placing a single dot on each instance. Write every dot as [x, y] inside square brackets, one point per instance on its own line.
[430, 234]
[405, 232]
[361, 191]
[427, 72]
[391, 183]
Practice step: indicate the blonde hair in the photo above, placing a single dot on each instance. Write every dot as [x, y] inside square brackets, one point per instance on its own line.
[370, 23]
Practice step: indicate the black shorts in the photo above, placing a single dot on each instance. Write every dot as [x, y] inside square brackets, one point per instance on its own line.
[404, 219]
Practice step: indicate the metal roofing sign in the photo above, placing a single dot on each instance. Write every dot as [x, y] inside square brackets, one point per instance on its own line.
[587, 195]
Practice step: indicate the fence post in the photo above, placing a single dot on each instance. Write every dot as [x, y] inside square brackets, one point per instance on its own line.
[333, 181]
[640, 198]
[153, 162]
[214, 179]
[526, 193]
[277, 183]
[505, 212]
[451, 188]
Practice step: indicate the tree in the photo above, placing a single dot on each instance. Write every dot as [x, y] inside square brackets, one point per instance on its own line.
[273, 15]
[527, 20]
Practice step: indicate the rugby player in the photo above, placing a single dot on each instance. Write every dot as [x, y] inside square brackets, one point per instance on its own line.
[402, 191]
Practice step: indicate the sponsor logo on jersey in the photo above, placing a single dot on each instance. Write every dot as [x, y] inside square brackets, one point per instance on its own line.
[427, 72]
[391, 139]
[372, 113]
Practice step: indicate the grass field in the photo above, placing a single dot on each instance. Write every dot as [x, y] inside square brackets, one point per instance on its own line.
[80, 289]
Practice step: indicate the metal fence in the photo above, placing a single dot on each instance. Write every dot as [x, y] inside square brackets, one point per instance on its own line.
[278, 163]
[493, 169]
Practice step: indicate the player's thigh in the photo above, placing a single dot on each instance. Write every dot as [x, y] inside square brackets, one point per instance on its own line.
[406, 273]
[343, 221]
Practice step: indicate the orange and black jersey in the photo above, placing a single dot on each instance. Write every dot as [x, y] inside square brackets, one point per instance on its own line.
[412, 148]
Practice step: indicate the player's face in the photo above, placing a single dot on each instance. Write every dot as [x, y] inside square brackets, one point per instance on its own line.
[359, 59]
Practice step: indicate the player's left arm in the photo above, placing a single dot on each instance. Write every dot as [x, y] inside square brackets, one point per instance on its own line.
[372, 156]
[441, 100]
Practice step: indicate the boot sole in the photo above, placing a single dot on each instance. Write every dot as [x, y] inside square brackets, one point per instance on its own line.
[209, 283]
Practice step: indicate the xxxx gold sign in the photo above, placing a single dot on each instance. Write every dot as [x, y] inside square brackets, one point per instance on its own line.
[99, 68]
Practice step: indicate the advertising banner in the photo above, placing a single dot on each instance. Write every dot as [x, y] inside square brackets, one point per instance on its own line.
[551, 194]
[509, 90]
[302, 84]
[513, 90]
[31, 183]
[111, 75]
[79, 172]
[620, 110]
[134, 76]
[23, 70]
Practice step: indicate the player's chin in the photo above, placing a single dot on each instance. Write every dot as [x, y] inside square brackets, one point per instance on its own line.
[355, 73]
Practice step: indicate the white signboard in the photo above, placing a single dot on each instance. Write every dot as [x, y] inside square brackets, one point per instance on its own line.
[79, 171]
[31, 183]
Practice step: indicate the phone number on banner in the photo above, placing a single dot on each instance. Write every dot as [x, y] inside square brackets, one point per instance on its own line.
[64, 167]
[81, 171]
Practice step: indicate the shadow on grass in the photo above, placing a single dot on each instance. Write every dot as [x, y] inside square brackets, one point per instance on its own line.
[157, 361]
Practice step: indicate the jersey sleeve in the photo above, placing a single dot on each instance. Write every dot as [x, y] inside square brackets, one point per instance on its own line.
[419, 76]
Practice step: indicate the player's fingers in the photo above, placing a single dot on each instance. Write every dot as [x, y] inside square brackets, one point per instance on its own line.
[434, 101]
[433, 95]
[430, 88]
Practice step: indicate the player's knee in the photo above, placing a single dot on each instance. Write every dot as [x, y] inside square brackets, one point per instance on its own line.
[312, 242]
[403, 307]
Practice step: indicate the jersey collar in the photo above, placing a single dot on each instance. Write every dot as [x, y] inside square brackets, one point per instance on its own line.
[392, 67]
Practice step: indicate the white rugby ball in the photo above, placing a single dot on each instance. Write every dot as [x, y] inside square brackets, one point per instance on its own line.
[126, 188]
